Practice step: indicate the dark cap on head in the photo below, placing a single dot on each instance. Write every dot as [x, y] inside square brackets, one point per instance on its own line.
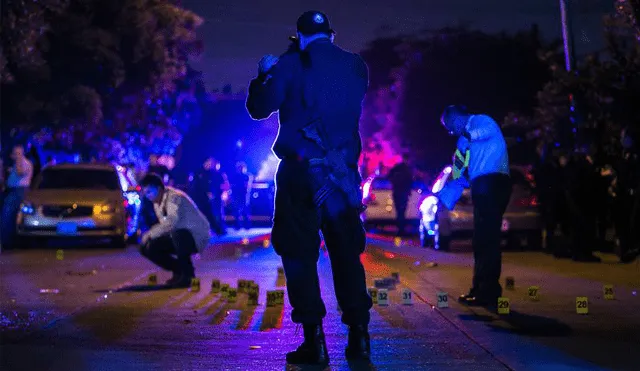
[314, 22]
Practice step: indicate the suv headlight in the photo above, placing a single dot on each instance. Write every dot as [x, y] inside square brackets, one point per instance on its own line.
[27, 208]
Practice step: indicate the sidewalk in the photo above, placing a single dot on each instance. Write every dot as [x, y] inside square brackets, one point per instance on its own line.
[608, 336]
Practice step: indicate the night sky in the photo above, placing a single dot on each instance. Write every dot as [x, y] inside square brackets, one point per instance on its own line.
[236, 33]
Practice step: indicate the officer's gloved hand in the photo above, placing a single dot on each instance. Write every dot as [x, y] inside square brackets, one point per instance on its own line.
[266, 64]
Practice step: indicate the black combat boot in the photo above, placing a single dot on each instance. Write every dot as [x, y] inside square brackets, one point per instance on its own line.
[313, 350]
[359, 344]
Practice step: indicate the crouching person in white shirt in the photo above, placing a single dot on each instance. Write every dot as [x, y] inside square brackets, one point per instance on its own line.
[181, 232]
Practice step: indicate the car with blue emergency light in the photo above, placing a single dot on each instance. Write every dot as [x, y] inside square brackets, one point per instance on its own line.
[521, 224]
[381, 211]
[77, 201]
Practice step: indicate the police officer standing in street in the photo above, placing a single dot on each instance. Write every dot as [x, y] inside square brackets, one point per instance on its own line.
[318, 89]
[486, 169]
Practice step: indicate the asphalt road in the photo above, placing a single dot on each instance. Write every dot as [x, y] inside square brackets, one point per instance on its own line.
[93, 310]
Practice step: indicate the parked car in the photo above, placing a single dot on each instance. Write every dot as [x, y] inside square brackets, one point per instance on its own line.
[75, 201]
[521, 224]
[381, 211]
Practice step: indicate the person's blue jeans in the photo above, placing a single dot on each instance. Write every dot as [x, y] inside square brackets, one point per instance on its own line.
[13, 198]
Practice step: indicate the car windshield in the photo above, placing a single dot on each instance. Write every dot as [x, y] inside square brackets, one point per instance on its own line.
[78, 179]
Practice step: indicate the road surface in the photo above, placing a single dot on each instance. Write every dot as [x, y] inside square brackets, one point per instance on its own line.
[93, 310]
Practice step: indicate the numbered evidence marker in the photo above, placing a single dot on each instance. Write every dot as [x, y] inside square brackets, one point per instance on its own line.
[242, 286]
[195, 284]
[533, 293]
[215, 286]
[60, 255]
[152, 280]
[224, 290]
[383, 297]
[253, 292]
[232, 295]
[608, 292]
[272, 298]
[373, 292]
[443, 300]
[407, 297]
[504, 307]
[279, 297]
[582, 305]
[397, 241]
[266, 243]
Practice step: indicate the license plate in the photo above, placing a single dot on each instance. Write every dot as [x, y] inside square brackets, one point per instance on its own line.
[505, 225]
[68, 229]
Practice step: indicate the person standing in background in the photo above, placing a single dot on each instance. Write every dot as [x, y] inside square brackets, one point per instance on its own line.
[401, 177]
[241, 182]
[19, 179]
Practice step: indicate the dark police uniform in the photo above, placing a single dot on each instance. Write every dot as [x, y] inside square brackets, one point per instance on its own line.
[317, 92]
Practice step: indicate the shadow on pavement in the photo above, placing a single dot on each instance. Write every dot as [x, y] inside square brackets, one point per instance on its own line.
[523, 324]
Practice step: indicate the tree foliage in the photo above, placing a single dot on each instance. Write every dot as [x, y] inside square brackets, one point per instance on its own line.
[422, 74]
[605, 87]
[79, 60]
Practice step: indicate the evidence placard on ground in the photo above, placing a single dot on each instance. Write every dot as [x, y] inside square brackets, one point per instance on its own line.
[443, 300]
[383, 297]
[407, 297]
[504, 305]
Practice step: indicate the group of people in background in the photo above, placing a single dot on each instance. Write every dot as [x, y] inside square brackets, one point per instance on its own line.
[585, 194]
[209, 188]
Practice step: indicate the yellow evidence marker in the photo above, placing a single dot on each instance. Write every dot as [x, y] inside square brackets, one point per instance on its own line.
[279, 297]
[215, 286]
[242, 286]
[272, 298]
[195, 285]
[397, 241]
[608, 292]
[152, 280]
[533, 293]
[232, 295]
[253, 292]
[224, 290]
[504, 307]
[60, 255]
[582, 305]
[266, 243]
[373, 292]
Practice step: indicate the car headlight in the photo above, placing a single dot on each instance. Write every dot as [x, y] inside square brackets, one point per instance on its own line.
[27, 208]
[101, 209]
